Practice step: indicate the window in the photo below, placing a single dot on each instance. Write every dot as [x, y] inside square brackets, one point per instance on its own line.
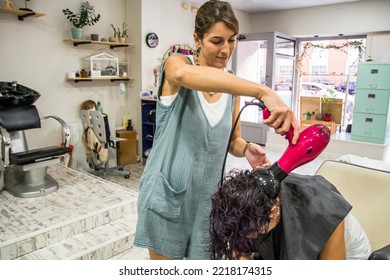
[331, 64]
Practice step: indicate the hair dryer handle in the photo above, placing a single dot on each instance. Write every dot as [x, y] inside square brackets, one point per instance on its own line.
[289, 134]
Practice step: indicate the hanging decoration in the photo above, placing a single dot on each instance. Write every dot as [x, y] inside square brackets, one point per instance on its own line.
[357, 44]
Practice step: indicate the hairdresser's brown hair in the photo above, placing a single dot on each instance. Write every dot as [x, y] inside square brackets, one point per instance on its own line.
[214, 11]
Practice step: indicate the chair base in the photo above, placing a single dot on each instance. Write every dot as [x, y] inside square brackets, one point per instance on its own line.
[30, 180]
[104, 170]
[50, 185]
[117, 170]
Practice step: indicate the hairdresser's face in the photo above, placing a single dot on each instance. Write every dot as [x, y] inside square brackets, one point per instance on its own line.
[217, 46]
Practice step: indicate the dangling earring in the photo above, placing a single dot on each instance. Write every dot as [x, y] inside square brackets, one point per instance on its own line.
[197, 54]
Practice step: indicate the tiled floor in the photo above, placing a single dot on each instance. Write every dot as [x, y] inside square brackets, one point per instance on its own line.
[54, 226]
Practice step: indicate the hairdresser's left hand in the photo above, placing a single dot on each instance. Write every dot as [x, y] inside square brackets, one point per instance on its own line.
[256, 156]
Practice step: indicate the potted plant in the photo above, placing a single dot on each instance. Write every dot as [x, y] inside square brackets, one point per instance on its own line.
[120, 33]
[326, 102]
[308, 114]
[85, 17]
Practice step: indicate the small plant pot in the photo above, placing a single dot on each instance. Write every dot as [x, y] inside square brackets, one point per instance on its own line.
[320, 117]
[327, 117]
[77, 33]
[122, 40]
[83, 73]
[95, 37]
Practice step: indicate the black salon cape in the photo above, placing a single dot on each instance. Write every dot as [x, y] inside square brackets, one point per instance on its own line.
[311, 208]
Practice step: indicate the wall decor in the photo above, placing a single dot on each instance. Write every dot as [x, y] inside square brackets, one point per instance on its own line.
[152, 40]
[103, 64]
[124, 69]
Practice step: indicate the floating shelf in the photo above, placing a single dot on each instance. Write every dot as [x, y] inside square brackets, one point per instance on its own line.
[90, 79]
[112, 45]
[21, 13]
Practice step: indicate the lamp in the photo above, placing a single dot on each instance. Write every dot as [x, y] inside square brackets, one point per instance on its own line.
[185, 5]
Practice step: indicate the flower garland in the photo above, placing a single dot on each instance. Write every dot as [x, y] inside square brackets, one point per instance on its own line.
[358, 44]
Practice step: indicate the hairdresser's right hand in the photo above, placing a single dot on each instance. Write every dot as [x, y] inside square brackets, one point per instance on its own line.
[282, 117]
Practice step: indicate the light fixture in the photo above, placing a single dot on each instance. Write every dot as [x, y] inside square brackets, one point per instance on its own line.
[185, 6]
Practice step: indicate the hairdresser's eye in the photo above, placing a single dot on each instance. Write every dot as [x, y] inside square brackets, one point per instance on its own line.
[217, 42]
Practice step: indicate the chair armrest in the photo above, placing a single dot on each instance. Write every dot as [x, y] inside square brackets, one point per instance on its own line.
[381, 254]
[5, 147]
[65, 127]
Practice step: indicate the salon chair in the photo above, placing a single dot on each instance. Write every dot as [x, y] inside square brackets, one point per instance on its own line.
[23, 171]
[364, 183]
[99, 124]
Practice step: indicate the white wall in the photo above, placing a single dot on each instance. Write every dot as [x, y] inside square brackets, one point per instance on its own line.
[349, 19]
[37, 57]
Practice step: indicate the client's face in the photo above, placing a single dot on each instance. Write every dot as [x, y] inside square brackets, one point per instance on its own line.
[274, 217]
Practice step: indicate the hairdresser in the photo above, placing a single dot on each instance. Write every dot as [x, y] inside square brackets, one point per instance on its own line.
[198, 102]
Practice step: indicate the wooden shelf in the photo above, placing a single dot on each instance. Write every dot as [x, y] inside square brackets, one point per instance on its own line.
[112, 45]
[90, 79]
[332, 125]
[21, 13]
[149, 98]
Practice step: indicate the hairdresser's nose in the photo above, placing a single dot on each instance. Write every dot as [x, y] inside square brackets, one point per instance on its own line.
[225, 47]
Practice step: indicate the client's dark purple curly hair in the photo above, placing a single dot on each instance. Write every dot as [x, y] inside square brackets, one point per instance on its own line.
[240, 211]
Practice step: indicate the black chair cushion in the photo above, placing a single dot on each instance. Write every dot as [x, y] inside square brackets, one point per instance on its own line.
[35, 155]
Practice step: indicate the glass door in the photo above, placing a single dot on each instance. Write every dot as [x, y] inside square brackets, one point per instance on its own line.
[269, 59]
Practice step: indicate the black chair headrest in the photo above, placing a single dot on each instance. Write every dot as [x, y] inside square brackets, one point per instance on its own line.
[19, 118]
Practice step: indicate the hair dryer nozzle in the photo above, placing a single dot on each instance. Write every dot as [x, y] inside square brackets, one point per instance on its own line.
[278, 173]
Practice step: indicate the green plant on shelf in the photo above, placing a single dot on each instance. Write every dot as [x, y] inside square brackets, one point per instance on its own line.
[308, 114]
[120, 32]
[85, 17]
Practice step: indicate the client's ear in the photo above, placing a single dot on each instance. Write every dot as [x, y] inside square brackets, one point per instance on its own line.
[275, 212]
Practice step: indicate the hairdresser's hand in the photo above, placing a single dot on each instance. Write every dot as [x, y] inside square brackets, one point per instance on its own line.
[256, 156]
[282, 117]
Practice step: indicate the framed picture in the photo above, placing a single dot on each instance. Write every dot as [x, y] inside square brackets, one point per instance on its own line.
[124, 69]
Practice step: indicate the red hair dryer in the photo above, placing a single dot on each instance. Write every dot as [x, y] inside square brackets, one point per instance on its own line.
[312, 141]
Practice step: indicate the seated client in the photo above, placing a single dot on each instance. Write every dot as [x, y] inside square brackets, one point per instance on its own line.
[304, 217]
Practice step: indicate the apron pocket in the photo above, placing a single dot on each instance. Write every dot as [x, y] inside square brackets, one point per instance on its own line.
[165, 200]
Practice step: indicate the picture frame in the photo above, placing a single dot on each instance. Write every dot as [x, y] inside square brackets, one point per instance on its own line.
[124, 70]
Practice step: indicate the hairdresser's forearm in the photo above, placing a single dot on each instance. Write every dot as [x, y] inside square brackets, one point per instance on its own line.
[211, 79]
[237, 146]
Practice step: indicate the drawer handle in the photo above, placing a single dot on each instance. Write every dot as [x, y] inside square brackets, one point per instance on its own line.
[373, 85]
[374, 71]
[369, 120]
[371, 95]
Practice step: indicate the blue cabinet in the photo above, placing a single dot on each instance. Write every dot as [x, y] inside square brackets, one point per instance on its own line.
[371, 118]
[148, 118]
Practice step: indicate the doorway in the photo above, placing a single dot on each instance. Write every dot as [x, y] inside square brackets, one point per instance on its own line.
[269, 59]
